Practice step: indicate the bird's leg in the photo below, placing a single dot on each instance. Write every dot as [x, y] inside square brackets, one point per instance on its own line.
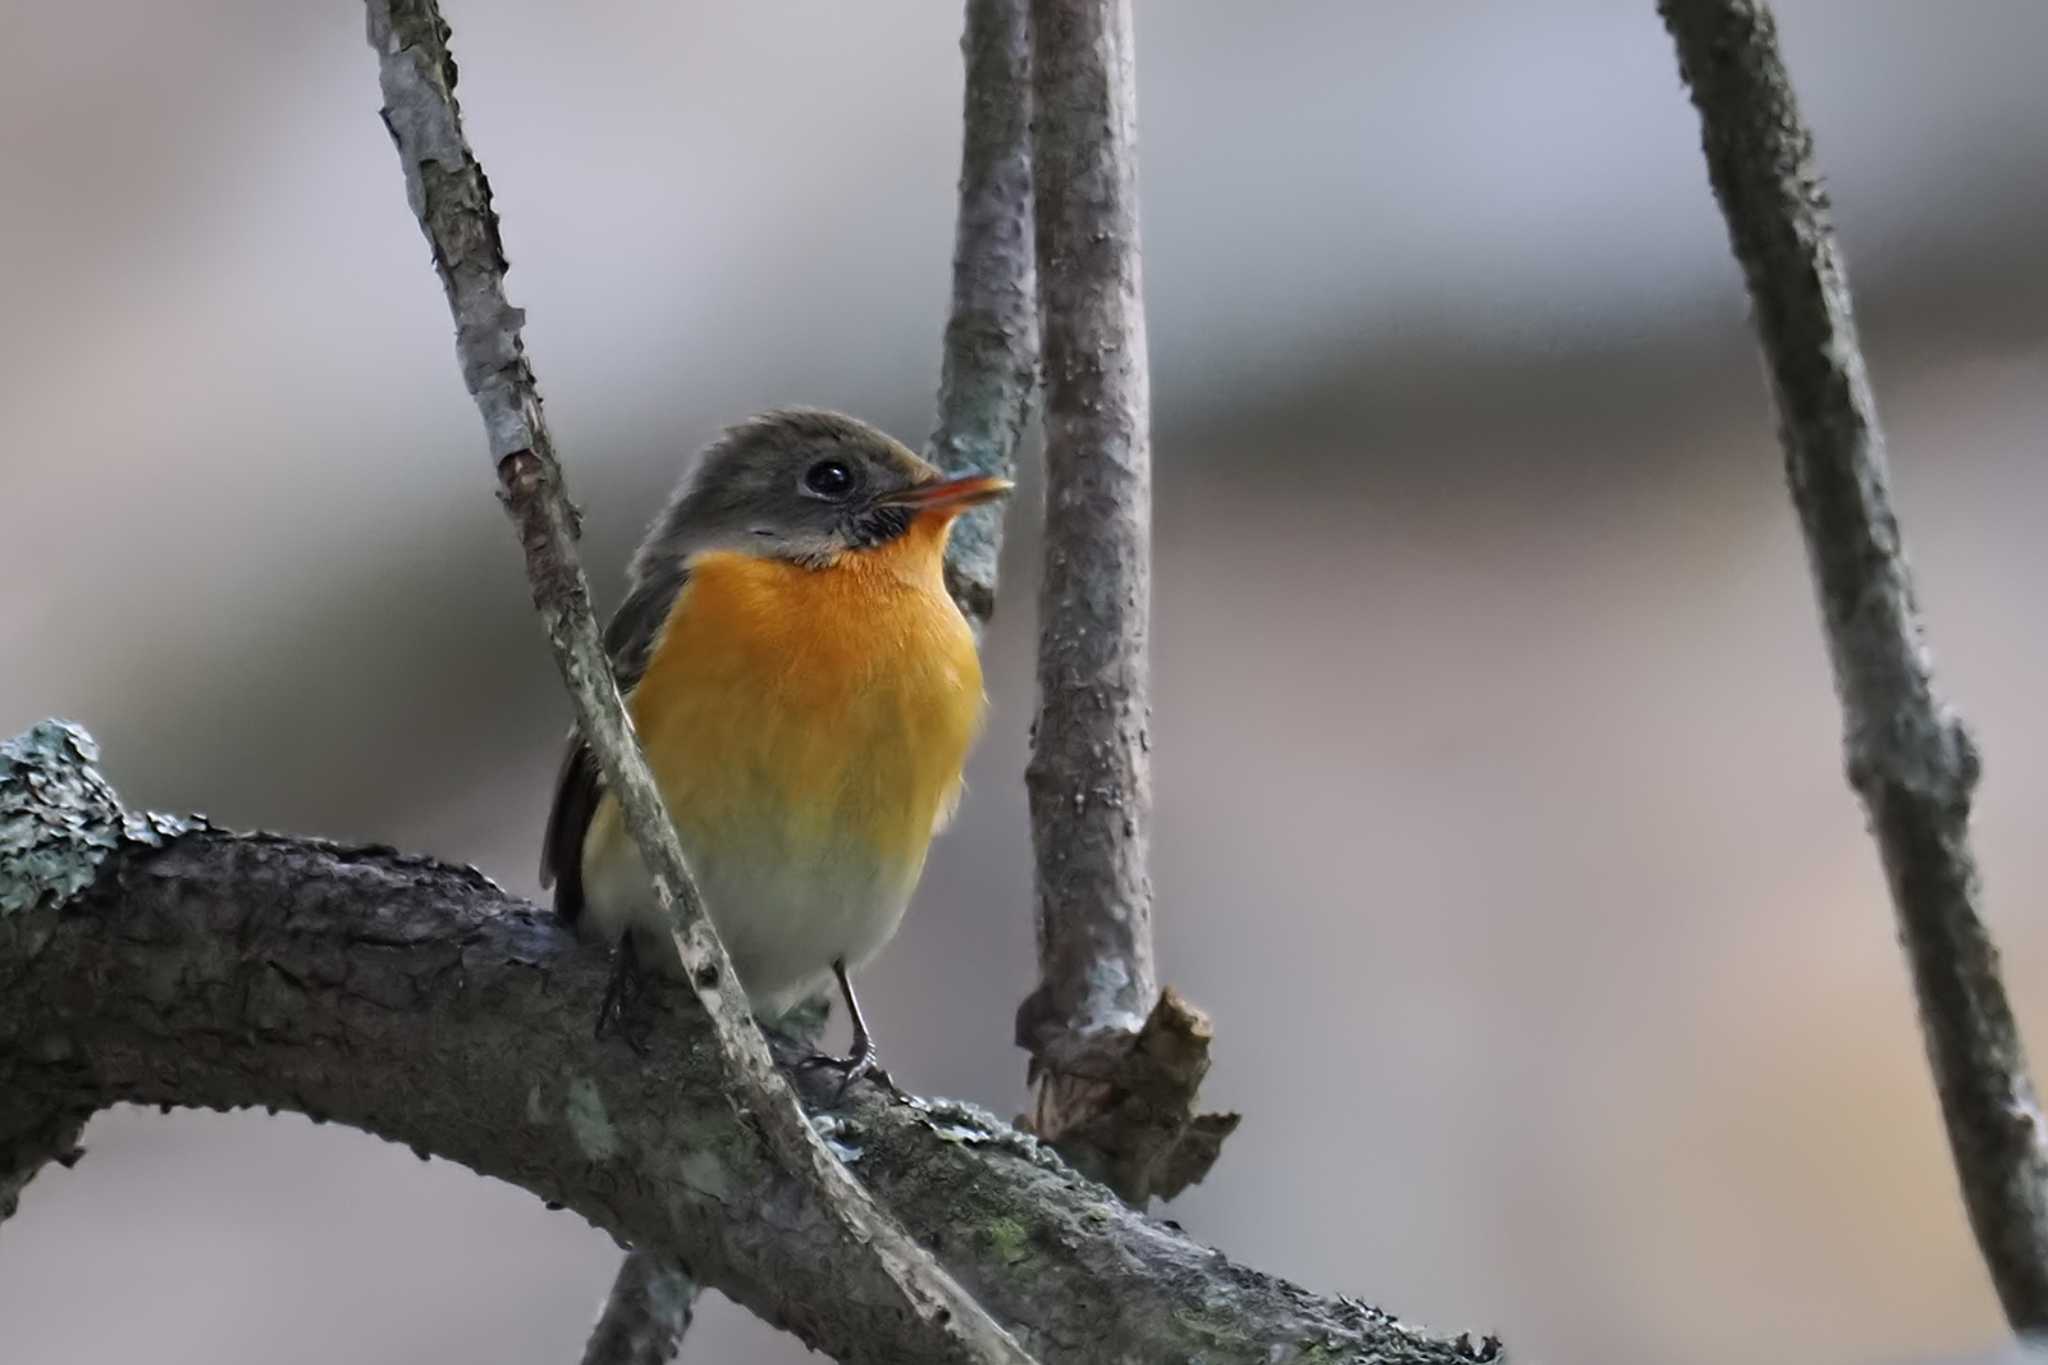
[621, 995]
[861, 1061]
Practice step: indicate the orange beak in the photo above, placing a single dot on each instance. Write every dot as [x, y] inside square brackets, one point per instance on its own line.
[955, 495]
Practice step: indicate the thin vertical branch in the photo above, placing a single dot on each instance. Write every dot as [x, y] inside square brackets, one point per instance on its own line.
[645, 1315]
[445, 186]
[1090, 775]
[1909, 757]
[1116, 1064]
[990, 365]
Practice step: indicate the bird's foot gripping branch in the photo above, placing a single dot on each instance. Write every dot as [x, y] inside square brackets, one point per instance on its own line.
[157, 961]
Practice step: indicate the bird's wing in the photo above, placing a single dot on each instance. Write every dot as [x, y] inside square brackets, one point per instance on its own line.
[629, 640]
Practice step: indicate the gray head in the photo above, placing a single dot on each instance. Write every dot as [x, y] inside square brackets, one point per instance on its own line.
[807, 486]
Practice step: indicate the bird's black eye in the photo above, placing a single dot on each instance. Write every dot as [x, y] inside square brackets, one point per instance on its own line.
[829, 479]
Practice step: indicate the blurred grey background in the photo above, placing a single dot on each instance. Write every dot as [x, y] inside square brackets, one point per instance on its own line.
[1501, 823]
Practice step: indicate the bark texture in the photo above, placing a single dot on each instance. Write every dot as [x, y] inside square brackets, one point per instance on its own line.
[1096, 1025]
[420, 1002]
[1909, 756]
[449, 195]
[989, 369]
[59, 821]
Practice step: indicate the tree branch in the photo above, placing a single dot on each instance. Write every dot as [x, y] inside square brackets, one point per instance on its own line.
[451, 198]
[990, 364]
[988, 367]
[645, 1315]
[422, 1003]
[1117, 1066]
[1091, 775]
[1909, 756]
[59, 820]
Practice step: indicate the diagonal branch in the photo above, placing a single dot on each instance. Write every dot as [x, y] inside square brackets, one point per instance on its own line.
[420, 1002]
[988, 370]
[990, 364]
[1117, 1065]
[448, 193]
[1908, 754]
[645, 1315]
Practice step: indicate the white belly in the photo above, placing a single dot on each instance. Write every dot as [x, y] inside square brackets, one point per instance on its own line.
[784, 919]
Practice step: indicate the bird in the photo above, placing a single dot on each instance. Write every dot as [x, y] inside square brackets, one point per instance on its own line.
[806, 693]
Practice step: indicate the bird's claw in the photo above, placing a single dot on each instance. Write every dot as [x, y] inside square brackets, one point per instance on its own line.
[616, 1013]
[862, 1062]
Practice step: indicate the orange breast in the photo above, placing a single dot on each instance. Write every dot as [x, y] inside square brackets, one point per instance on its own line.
[799, 710]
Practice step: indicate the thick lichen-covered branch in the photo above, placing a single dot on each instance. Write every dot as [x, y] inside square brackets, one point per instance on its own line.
[59, 821]
[421, 1003]
[1096, 1026]
[451, 198]
[989, 369]
[1909, 755]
